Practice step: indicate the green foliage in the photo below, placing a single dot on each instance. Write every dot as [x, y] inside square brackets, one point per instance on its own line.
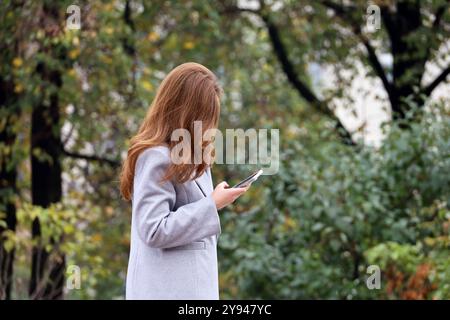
[327, 216]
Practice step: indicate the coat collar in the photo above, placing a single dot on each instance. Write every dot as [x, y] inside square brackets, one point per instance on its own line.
[204, 183]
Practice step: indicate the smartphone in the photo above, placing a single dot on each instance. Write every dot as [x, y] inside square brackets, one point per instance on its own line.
[249, 180]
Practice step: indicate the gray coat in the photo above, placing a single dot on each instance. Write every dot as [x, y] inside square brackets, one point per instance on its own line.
[174, 232]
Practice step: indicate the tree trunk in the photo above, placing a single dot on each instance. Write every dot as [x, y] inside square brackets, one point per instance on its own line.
[47, 273]
[47, 266]
[409, 56]
[8, 187]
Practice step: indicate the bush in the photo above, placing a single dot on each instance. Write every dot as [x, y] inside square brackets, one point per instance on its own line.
[330, 214]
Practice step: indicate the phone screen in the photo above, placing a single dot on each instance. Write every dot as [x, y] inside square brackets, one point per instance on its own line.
[249, 180]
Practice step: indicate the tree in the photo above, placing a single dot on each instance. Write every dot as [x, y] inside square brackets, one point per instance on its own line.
[413, 34]
[11, 93]
[9, 112]
[48, 267]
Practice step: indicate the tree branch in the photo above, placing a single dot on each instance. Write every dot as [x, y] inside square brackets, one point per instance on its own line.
[286, 64]
[344, 13]
[235, 9]
[301, 87]
[439, 14]
[440, 78]
[375, 62]
[111, 162]
[289, 70]
[336, 7]
[389, 24]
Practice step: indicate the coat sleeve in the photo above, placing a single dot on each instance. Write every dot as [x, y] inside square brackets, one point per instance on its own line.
[158, 225]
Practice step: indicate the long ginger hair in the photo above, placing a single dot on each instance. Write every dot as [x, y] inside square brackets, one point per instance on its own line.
[189, 93]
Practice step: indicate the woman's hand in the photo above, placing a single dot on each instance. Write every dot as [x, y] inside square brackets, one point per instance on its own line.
[223, 195]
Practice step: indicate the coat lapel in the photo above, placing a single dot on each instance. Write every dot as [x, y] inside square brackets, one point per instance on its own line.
[197, 182]
[204, 183]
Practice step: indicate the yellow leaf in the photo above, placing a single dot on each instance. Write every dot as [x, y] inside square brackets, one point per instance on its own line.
[147, 71]
[430, 241]
[289, 223]
[109, 30]
[74, 53]
[109, 211]
[189, 45]
[97, 237]
[108, 6]
[153, 36]
[18, 88]
[147, 85]
[68, 229]
[17, 62]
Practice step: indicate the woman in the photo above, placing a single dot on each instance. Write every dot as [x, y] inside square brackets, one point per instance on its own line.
[175, 223]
